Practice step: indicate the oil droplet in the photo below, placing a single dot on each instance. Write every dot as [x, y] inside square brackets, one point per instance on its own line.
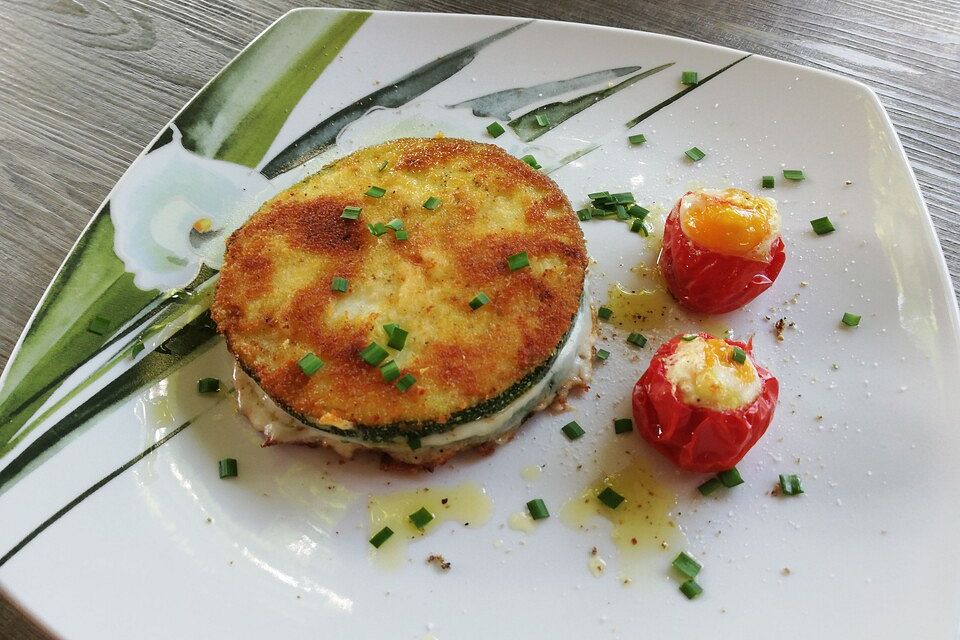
[642, 525]
[639, 310]
[467, 504]
[714, 327]
[596, 565]
[531, 473]
[521, 522]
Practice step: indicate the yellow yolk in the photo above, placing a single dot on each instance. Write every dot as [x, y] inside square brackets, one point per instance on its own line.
[731, 222]
[704, 374]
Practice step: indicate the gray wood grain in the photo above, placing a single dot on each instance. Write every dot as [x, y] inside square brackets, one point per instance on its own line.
[85, 84]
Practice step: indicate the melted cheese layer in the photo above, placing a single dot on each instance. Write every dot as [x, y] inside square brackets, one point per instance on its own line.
[704, 374]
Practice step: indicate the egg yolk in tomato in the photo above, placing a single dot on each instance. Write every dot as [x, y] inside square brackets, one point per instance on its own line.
[704, 373]
[730, 222]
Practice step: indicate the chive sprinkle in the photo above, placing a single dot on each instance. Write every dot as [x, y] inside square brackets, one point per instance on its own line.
[351, 213]
[375, 192]
[739, 355]
[530, 160]
[373, 354]
[688, 77]
[793, 174]
[390, 371]
[686, 565]
[377, 228]
[208, 385]
[623, 425]
[98, 325]
[396, 224]
[622, 212]
[398, 338]
[637, 139]
[413, 441]
[822, 226]
[691, 589]
[388, 328]
[537, 509]
[638, 226]
[850, 319]
[383, 165]
[602, 354]
[585, 214]
[310, 364]
[380, 537]
[479, 300]
[638, 212]
[572, 430]
[637, 339]
[137, 347]
[790, 485]
[598, 195]
[689, 337]
[518, 261]
[401, 234]
[432, 203]
[695, 154]
[339, 284]
[604, 313]
[709, 486]
[542, 120]
[405, 382]
[610, 498]
[495, 129]
[227, 468]
[730, 478]
[421, 517]
[766, 182]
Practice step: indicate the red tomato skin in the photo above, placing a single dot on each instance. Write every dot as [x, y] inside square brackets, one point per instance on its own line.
[697, 438]
[709, 282]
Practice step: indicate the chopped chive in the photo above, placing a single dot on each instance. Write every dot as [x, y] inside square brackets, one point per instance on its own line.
[413, 441]
[585, 214]
[850, 319]
[390, 371]
[398, 338]
[375, 192]
[373, 354]
[339, 284]
[790, 485]
[766, 182]
[638, 212]
[695, 154]
[401, 234]
[396, 224]
[310, 364]
[208, 385]
[739, 355]
[822, 226]
[637, 339]
[623, 198]
[622, 212]
[479, 300]
[421, 517]
[137, 347]
[377, 228]
[638, 138]
[380, 537]
[623, 425]
[432, 203]
[602, 354]
[610, 498]
[793, 174]
[518, 261]
[689, 337]
[530, 160]
[691, 589]
[638, 226]
[709, 486]
[351, 213]
[228, 468]
[537, 509]
[389, 327]
[383, 165]
[542, 120]
[597, 195]
[688, 77]
[730, 478]
[495, 129]
[405, 382]
[98, 325]
[604, 313]
[572, 430]
[686, 565]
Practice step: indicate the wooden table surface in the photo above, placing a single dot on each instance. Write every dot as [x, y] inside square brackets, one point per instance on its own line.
[85, 84]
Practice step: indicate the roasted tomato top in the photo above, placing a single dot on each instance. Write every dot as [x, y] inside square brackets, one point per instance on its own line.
[721, 249]
[704, 402]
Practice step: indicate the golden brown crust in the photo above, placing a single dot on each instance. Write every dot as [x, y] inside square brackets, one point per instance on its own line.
[274, 302]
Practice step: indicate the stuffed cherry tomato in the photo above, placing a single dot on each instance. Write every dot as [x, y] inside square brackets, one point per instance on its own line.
[703, 402]
[721, 249]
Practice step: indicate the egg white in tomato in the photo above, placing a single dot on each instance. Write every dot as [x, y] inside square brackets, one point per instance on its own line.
[704, 374]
